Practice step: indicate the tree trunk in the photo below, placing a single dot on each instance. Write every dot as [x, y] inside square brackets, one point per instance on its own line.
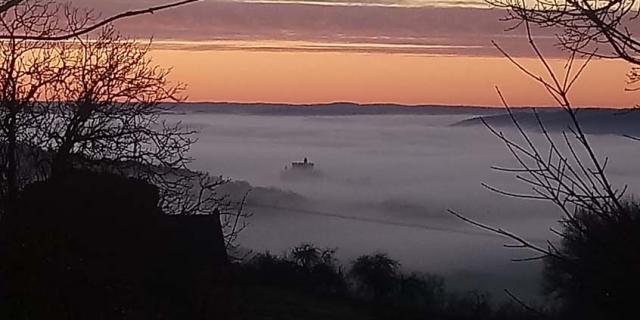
[12, 163]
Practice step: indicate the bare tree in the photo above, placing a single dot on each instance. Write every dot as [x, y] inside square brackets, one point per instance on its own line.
[584, 24]
[82, 102]
[595, 28]
[94, 102]
[28, 72]
[109, 109]
[566, 170]
[33, 62]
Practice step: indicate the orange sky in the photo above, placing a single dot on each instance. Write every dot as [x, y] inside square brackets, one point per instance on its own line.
[308, 77]
[399, 51]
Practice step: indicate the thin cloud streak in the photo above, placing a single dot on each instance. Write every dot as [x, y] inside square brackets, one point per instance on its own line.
[406, 30]
[465, 26]
[377, 3]
[309, 46]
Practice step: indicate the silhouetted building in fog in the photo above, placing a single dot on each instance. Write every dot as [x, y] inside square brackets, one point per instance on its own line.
[302, 165]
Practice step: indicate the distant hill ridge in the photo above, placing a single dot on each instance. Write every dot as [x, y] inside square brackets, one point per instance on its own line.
[592, 120]
[330, 109]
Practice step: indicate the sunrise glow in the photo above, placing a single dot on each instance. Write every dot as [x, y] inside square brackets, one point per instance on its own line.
[370, 51]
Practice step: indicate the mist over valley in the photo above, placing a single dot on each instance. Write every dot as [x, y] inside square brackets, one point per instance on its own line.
[388, 175]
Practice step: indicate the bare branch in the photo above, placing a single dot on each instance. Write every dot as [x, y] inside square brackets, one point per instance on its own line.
[68, 34]
[9, 4]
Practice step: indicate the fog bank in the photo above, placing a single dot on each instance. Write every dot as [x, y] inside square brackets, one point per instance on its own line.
[387, 182]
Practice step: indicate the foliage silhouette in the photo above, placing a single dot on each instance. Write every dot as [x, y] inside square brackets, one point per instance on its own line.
[375, 275]
[599, 277]
[309, 282]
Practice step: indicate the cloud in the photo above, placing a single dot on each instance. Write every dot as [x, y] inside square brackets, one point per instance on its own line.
[360, 46]
[377, 3]
[378, 26]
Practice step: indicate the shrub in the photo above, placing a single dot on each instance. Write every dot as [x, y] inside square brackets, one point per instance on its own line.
[597, 271]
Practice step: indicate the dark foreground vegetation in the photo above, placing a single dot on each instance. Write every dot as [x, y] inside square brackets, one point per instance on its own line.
[101, 218]
[308, 283]
[98, 246]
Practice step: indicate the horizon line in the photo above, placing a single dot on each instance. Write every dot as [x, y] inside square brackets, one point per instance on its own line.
[390, 104]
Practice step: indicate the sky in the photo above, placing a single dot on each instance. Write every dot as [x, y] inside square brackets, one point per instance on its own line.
[368, 51]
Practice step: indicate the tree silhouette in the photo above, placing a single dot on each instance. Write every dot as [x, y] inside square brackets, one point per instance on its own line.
[93, 99]
[309, 256]
[375, 274]
[566, 170]
[97, 201]
[28, 72]
[598, 277]
[108, 108]
[94, 102]
[582, 26]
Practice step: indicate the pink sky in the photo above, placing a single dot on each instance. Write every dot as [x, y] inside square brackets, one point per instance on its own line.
[403, 51]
